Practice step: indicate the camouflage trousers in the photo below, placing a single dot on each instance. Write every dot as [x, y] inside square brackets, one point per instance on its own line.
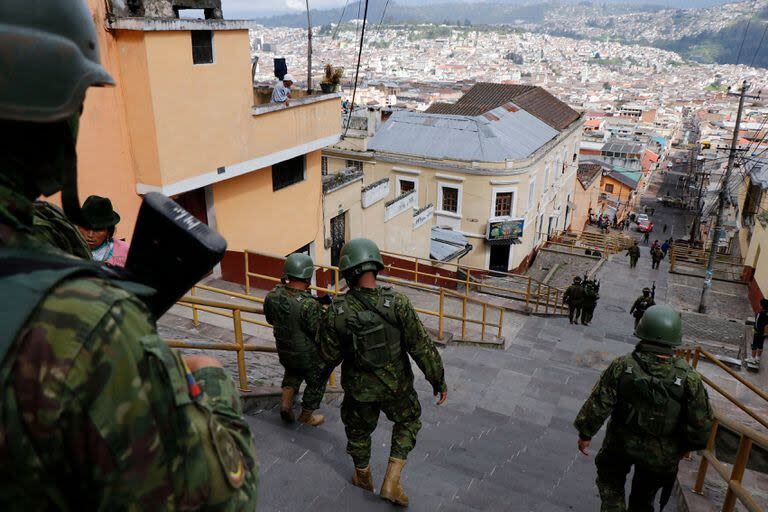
[574, 312]
[632, 262]
[315, 388]
[360, 419]
[612, 470]
[587, 311]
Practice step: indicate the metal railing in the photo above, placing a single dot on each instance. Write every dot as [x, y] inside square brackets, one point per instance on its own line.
[535, 294]
[249, 275]
[682, 256]
[748, 436]
[607, 244]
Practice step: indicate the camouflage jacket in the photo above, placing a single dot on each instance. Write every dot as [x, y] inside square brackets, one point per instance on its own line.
[633, 252]
[51, 226]
[574, 295]
[640, 305]
[660, 452]
[296, 338]
[97, 413]
[366, 385]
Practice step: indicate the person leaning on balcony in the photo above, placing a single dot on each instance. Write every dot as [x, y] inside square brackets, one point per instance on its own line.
[282, 91]
[372, 331]
[658, 409]
[295, 316]
[96, 412]
[98, 229]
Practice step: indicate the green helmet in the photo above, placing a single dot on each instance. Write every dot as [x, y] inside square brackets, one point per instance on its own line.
[299, 266]
[50, 51]
[576, 280]
[360, 255]
[661, 325]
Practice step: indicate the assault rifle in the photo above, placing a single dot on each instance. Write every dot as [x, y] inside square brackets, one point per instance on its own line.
[653, 291]
[170, 251]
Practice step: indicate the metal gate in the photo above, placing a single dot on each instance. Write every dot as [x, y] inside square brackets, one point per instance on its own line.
[338, 236]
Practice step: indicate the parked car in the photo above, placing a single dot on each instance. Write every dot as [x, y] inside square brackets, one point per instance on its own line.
[644, 226]
[641, 217]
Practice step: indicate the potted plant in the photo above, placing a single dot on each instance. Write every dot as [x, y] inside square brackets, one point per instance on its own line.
[332, 79]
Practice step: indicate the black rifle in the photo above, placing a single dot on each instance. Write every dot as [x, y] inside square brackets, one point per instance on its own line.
[170, 251]
[653, 291]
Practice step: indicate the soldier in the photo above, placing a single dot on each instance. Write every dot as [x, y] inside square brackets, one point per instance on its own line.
[50, 225]
[373, 330]
[641, 304]
[659, 411]
[96, 412]
[656, 256]
[634, 254]
[591, 296]
[574, 298]
[295, 315]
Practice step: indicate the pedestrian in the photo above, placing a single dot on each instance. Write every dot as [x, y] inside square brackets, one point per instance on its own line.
[641, 304]
[646, 236]
[372, 331]
[634, 254]
[281, 93]
[97, 226]
[591, 296]
[656, 256]
[98, 413]
[659, 412]
[574, 298]
[760, 332]
[664, 229]
[655, 245]
[295, 316]
[665, 248]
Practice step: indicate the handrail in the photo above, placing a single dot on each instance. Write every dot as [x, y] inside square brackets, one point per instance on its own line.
[748, 437]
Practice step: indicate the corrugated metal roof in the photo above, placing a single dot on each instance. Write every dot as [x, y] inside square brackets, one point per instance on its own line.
[758, 173]
[501, 136]
[622, 147]
[446, 244]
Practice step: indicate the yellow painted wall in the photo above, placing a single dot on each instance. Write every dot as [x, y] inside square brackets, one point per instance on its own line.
[251, 216]
[757, 256]
[584, 200]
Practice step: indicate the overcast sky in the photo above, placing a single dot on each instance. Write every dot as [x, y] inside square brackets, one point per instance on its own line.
[256, 8]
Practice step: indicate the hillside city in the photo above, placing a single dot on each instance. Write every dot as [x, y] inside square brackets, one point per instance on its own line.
[539, 248]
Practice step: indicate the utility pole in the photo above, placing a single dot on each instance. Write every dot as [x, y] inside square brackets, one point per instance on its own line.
[309, 51]
[695, 225]
[722, 199]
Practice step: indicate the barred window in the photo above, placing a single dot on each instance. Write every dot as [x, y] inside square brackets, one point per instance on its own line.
[450, 199]
[355, 164]
[202, 46]
[503, 204]
[287, 173]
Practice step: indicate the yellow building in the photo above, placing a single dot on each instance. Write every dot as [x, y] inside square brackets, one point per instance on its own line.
[753, 233]
[586, 197]
[185, 120]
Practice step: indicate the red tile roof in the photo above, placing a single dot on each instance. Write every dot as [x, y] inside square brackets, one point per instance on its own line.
[483, 97]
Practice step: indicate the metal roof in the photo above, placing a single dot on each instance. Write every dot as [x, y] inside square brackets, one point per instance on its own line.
[504, 133]
[446, 244]
[622, 147]
[758, 172]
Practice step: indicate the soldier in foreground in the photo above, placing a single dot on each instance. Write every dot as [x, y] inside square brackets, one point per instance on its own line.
[641, 304]
[591, 296]
[659, 411]
[295, 315]
[96, 412]
[634, 254]
[372, 330]
[574, 299]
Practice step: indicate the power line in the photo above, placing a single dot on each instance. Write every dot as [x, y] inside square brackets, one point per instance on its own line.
[384, 12]
[357, 68]
[759, 45]
[336, 30]
[746, 29]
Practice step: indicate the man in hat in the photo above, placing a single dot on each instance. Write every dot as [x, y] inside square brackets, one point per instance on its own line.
[96, 411]
[758, 339]
[641, 304]
[375, 332]
[282, 91]
[295, 315]
[574, 299]
[658, 409]
[98, 230]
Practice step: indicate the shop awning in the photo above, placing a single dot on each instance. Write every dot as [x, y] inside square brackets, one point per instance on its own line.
[447, 245]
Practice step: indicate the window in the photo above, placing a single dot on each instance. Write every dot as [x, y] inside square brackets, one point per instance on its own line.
[202, 46]
[546, 177]
[405, 186]
[355, 164]
[287, 173]
[609, 188]
[503, 207]
[450, 201]
[531, 193]
[324, 165]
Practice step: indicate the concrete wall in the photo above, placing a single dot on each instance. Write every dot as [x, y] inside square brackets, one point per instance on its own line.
[585, 199]
[756, 259]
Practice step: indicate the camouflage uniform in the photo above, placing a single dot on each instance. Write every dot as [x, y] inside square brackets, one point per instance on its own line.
[51, 226]
[641, 304]
[574, 298]
[656, 257]
[97, 413]
[634, 254]
[299, 356]
[389, 388]
[629, 441]
[590, 302]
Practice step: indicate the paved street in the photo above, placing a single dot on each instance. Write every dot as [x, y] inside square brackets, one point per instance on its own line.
[503, 440]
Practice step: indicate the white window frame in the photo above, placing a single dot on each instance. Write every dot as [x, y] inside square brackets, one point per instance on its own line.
[439, 205]
[546, 176]
[500, 190]
[399, 190]
[531, 194]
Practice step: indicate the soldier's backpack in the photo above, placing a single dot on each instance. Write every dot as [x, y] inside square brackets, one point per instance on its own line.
[649, 404]
[294, 348]
[26, 278]
[374, 331]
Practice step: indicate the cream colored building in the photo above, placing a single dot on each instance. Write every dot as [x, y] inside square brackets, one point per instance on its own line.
[185, 120]
[504, 161]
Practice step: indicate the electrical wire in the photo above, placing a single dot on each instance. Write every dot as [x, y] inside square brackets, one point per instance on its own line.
[759, 45]
[341, 18]
[384, 13]
[746, 29]
[357, 69]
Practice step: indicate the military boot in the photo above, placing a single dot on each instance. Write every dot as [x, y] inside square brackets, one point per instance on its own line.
[391, 490]
[362, 478]
[307, 417]
[286, 405]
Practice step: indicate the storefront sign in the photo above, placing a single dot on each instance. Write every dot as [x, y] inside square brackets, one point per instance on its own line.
[398, 205]
[422, 216]
[504, 228]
